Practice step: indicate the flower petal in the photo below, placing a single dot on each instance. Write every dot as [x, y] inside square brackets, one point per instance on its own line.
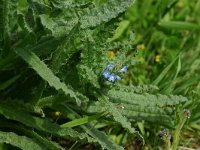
[112, 77]
[110, 66]
[123, 70]
[106, 74]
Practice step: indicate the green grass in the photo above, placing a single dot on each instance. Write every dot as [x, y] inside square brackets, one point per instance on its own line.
[169, 30]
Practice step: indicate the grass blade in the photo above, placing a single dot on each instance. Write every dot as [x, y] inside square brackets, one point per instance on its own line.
[179, 25]
[164, 72]
[81, 121]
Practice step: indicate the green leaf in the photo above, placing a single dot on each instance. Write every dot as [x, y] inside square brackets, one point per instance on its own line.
[145, 99]
[57, 27]
[137, 112]
[50, 144]
[102, 138]
[23, 24]
[164, 72]
[150, 113]
[179, 25]
[136, 89]
[117, 115]
[63, 53]
[88, 75]
[171, 84]
[136, 104]
[1, 146]
[22, 5]
[50, 101]
[47, 45]
[22, 116]
[120, 29]
[104, 13]
[41, 68]
[99, 136]
[47, 144]
[77, 122]
[22, 142]
[4, 8]
[7, 83]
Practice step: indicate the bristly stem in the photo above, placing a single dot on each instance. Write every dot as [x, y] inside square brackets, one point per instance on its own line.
[168, 144]
[165, 136]
[183, 118]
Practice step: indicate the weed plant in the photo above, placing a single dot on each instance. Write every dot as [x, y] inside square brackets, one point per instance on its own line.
[99, 74]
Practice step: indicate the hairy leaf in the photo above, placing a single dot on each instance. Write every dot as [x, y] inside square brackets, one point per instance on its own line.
[118, 116]
[104, 13]
[22, 142]
[145, 99]
[41, 124]
[41, 68]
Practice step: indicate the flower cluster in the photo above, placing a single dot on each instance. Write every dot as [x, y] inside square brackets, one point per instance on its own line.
[164, 135]
[186, 113]
[112, 77]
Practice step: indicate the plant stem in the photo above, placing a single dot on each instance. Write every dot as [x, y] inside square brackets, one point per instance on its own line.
[177, 133]
[168, 143]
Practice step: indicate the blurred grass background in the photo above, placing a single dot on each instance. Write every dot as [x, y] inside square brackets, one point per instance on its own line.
[168, 43]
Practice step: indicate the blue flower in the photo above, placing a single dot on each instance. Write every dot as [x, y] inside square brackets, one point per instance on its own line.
[118, 77]
[110, 66]
[123, 70]
[106, 74]
[112, 77]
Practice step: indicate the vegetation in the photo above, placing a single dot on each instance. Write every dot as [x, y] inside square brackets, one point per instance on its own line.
[99, 74]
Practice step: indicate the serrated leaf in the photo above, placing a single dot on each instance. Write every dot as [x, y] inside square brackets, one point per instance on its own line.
[150, 113]
[22, 142]
[41, 124]
[117, 115]
[23, 24]
[57, 27]
[104, 13]
[62, 54]
[41, 68]
[145, 99]
[88, 74]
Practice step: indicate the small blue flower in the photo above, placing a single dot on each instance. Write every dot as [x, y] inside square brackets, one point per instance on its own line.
[110, 66]
[123, 70]
[112, 77]
[118, 77]
[106, 74]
